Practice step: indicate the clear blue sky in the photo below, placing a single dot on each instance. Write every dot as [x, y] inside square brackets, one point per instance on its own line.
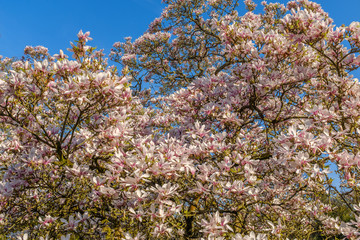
[54, 23]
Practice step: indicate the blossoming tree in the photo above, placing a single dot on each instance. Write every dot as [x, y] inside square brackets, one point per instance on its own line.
[270, 96]
[236, 145]
[62, 123]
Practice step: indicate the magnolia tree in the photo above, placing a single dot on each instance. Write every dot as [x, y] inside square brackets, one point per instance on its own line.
[236, 145]
[70, 136]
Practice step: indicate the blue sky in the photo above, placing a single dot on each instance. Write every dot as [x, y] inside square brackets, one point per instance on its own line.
[54, 23]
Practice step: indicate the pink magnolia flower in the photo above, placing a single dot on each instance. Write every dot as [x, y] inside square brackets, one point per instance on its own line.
[276, 229]
[84, 36]
[216, 225]
[71, 223]
[161, 229]
[251, 236]
[48, 220]
[66, 237]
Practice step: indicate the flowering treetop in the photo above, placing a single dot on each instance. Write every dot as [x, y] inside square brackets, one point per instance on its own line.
[236, 146]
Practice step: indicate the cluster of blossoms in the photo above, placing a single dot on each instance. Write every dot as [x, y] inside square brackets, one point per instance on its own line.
[241, 150]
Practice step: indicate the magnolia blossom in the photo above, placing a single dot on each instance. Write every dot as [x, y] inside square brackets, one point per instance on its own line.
[216, 225]
[251, 236]
[71, 223]
[47, 220]
[66, 237]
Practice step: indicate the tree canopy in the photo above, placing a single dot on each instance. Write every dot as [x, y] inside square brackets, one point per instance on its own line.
[234, 141]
